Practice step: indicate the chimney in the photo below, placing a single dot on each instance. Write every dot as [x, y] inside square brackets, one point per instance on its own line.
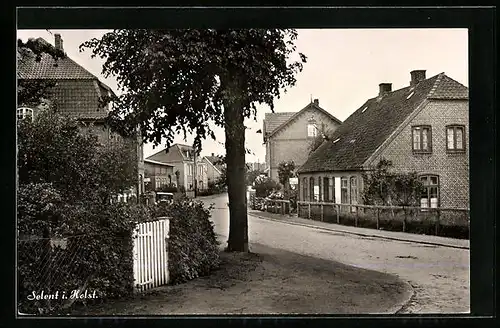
[212, 154]
[58, 42]
[316, 102]
[417, 76]
[385, 88]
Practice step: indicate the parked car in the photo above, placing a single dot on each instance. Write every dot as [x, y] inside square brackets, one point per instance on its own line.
[164, 197]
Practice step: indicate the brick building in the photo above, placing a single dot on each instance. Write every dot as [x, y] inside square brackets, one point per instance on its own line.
[289, 135]
[77, 93]
[421, 128]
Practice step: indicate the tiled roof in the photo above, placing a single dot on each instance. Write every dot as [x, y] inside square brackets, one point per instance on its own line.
[175, 153]
[215, 160]
[369, 126]
[274, 120]
[49, 68]
[77, 91]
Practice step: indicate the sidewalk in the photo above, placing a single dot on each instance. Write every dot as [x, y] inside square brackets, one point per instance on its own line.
[269, 281]
[393, 235]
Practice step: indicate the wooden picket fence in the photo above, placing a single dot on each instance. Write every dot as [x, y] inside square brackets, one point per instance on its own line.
[151, 254]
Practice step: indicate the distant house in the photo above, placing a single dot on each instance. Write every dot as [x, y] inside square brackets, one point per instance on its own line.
[158, 174]
[256, 166]
[77, 93]
[183, 160]
[214, 167]
[288, 136]
[421, 128]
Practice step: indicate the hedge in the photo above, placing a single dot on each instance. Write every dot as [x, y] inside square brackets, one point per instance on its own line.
[193, 246]
[97, 253]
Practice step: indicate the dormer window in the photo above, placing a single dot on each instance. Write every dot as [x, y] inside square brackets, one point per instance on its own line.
[24, 112]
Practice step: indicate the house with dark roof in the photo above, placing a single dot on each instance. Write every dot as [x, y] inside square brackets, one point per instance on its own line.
[214, 167]
[183, 160]
[289, 135]
[77, 93]
[421, 128]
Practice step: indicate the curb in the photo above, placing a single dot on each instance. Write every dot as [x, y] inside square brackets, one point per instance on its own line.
[359, 233]
[402, 306]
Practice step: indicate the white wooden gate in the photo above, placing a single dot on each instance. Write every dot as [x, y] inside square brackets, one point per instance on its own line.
[151, 254]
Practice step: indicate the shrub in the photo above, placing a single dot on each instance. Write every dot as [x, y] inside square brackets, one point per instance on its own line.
[97, 251]
[264, 186]
[193, 246]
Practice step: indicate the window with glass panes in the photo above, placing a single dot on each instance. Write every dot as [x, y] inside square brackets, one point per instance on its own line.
[312, 130]
[326, 189]
[455, 138]
[422, 138]
[304, 189]
[343, 190]
[24, 113]
[429, 197]
[311, 189]
[354, 192]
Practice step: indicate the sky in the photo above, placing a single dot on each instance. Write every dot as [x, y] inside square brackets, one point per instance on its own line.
[343, 70]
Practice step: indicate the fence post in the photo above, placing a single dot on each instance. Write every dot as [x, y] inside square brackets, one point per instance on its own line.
[321, 212]
[337, 207]
[404, 219]
[309, 208]
[437, 222]
[357, 216]
[378, 218]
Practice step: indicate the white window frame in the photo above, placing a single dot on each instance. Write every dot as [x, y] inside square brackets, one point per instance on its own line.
[312, 130]
[22, 113]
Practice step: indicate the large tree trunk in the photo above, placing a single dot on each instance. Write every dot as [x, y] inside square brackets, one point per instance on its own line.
[235, 160]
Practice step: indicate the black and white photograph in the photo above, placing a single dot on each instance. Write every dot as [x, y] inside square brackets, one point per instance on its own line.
[319, 171]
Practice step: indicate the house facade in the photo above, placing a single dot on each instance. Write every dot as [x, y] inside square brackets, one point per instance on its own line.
[158, 175]
[77, 93]
[421, 128]
[289, 135]
[183, 161]
[214, 167]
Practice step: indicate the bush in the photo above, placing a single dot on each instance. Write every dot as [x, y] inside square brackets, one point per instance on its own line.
[264, 186]
[97, 254]
[193, 246]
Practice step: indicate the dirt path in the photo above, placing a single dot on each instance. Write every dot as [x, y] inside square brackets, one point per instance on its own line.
[271, 281]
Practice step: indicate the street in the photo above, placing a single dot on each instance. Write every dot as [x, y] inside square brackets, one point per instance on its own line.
[438, 274]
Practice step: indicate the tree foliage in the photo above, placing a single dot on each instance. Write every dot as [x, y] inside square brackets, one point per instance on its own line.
[323, 133]
[178, 80]
[383, 187]
[265, 185]
[251, 175]
[54, 149]
[184, 80]
[32, 92]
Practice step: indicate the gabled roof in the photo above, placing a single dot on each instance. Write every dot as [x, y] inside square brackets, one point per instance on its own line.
[175, 153]
[277, 122]
[215, 162]
[156, 162]
[77, 91]
[368, 127]
[273, 120]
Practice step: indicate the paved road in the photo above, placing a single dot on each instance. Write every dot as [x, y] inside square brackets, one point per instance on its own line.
[439, 275]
